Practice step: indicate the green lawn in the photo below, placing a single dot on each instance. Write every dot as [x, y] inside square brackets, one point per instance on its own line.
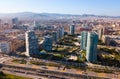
[44, 64]
[109, 57]
[20, 61]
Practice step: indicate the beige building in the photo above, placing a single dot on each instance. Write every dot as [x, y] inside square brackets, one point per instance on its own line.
[106, 39]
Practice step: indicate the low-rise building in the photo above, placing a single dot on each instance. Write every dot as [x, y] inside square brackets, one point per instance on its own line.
[5, 47]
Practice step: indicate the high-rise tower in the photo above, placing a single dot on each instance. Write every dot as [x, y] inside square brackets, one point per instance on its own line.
[92, 41]
[32, 47]
[72, 29]
[47, 44]
[83, 42]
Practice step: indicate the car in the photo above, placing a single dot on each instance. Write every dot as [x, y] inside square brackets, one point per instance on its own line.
[44, 67]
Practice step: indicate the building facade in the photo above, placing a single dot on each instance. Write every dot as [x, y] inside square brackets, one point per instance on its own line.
[47, 44]
[61, 32]
[91, 50]
[5, 47]
[54, 37]
[32, 47]
[83, 42]
[106, 39]
[100, 33]
[72, 29]
[15, 21]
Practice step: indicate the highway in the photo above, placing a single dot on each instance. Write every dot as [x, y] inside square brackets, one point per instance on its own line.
[46, 73]
[3, 59]
[7, 60]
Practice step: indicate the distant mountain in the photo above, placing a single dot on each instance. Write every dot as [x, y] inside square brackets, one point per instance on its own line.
[27, 15]
[31, 15]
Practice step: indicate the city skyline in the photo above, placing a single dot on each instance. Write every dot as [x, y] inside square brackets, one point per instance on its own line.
[97, 7]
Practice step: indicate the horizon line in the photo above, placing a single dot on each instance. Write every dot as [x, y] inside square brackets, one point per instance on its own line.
[60, 13]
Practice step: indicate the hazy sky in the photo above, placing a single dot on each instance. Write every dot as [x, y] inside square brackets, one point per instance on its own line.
[99, 7]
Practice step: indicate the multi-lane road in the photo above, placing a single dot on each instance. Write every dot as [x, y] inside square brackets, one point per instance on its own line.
[52, 74]
[37, 71]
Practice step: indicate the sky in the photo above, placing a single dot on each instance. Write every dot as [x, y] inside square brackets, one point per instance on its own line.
[97, 7]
